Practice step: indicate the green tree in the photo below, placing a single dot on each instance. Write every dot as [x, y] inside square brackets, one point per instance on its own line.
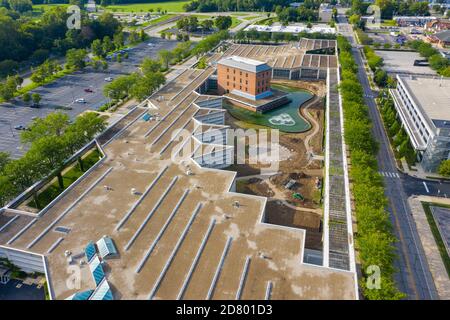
[7, 190]
[146, 85]
[75, 58]
[150, 66]
[36, 98]
[354, 19]
[118, 40]
[207, 24]
[24, 171]
[8, 88]
[120, 87]
[20, 5]
[53, 124]
[223, 22]
[165, 57]
[108, 46]
[4, 160]
[26, 97]
[202, 63]
[380, 78]
[444, 168]
[51, 152]
[97, 48]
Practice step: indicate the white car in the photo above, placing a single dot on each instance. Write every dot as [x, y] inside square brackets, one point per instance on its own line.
[109, 79]
[80, 100]
[151, 44]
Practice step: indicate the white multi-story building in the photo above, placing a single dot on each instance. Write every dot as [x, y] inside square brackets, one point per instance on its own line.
[423, 105]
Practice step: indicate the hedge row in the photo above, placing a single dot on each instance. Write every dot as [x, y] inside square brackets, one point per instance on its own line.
[374, 238]
[399, 138]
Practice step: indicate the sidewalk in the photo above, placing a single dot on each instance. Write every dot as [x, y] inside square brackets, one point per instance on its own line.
[419, 172]
[434, 260]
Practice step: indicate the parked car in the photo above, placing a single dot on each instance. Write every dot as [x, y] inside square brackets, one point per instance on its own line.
[109, 79]
[20, 127]
[88, 90]
[80, 100]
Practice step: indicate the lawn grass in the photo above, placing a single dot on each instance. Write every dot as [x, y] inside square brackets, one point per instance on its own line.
[170, 6]
[47, 7]
[267, 21]
[235, 22]
[437, 236]
[250, 18]
[153, 22]
[389, 23]
[70, 176]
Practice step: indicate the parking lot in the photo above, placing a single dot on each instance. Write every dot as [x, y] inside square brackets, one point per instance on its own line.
[16, 290]
[402, 62]
[63, 92]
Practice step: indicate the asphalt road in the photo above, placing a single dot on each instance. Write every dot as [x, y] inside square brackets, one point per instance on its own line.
[414, 277]
[64, 91]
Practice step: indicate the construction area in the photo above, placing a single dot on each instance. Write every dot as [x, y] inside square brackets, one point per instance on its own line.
[295, 192]
[180, 226]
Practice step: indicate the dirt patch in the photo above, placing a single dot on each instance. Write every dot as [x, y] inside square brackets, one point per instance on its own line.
[299, 165]
[280, 214]
[254, 186]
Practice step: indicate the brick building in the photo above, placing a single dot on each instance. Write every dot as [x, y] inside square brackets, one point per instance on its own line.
[244, 77]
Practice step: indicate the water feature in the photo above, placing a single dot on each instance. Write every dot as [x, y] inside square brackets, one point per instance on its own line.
[285, 118]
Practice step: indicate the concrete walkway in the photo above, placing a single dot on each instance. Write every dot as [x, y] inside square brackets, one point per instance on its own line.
[437, 268]
[316, 127]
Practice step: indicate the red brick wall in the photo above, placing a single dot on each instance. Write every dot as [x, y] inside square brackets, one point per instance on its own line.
[229, 78]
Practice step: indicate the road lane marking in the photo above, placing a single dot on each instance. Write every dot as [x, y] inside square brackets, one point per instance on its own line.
[426, 187]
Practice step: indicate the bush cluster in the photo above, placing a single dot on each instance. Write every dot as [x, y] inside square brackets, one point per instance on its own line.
[374, 239]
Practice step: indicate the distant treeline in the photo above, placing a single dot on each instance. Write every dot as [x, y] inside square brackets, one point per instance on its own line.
[235, 5]
[25, 39]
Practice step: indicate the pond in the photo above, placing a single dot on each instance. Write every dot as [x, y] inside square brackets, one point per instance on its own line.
[286, 118]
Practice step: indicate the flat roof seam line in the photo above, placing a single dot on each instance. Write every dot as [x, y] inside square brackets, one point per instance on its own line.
[128, 214]
[121, 131]
[18, 234]
[196, 259]
[9, 222]
[182, 90]
[175, 107]
[171, 124]
[55, 244]
[69, 208]
[243, 278]
[174, 251]
[172, 139]
[159, 235]
[152, 212]
[219, 268]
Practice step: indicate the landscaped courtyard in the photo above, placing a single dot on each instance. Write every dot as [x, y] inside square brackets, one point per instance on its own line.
[286, 118]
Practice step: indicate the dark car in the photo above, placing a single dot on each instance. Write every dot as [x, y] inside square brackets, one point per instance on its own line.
[20, 127]
[88, 90]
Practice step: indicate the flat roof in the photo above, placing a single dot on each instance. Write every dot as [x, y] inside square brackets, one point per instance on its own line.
[182, 236]
[289, 56]
[244, 64]
[432, 95]
[292, 28]
[402, 62]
